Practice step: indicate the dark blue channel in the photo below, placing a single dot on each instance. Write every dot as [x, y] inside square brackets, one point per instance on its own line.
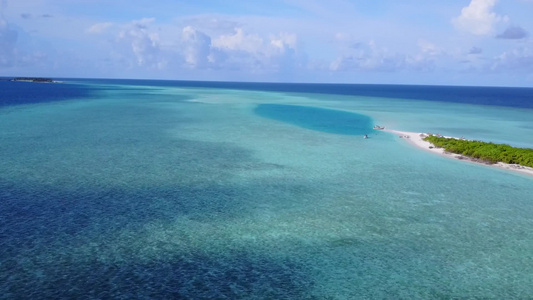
[18, 92]
[319, 119]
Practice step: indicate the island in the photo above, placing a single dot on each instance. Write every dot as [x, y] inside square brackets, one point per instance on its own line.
[34, 79]
[484, 152]
[495, 155]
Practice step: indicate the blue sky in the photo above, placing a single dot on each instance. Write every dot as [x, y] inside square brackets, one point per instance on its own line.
[453, 42]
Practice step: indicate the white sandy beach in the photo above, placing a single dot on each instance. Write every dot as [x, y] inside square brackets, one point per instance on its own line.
[416, 139]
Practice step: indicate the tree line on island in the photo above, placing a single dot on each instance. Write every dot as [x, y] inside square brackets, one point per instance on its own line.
[33, 79]
[488, 152]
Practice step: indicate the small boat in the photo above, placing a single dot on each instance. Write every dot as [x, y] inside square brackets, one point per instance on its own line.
[379, 127]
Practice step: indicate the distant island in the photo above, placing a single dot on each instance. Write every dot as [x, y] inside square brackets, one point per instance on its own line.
[34, 79]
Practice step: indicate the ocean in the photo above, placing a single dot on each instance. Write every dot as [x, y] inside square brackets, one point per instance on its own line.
[132, 189]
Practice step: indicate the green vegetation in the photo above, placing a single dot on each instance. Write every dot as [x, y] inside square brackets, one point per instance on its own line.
[33, 79]
[488, 152]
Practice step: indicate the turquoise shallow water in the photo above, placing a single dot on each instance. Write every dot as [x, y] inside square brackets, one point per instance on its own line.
[165, 192]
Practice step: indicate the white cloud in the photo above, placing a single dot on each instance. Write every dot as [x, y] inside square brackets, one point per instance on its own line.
[197, 47]
[283, 42]
[239, 51]
[144, 44]
[478, 17]
[239, 41]
[99, 27]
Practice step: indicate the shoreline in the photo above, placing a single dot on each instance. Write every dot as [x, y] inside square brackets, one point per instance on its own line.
[416, 140]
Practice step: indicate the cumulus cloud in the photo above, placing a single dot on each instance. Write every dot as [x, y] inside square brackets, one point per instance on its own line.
[239, 41]
[239, 50]
[478, 17]
[513, 33]
[144, 44]
[283, 42]
[197, 48]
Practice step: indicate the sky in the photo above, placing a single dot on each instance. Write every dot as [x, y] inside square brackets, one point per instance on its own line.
[452, 42]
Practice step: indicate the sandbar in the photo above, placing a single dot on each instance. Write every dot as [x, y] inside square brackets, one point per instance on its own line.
[416, 139]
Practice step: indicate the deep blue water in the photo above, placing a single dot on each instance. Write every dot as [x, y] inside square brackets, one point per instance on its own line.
[16, 93]
[494, 96]
[13, 93]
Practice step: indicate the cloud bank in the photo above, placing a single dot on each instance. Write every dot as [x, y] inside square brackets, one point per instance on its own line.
[342, 44]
